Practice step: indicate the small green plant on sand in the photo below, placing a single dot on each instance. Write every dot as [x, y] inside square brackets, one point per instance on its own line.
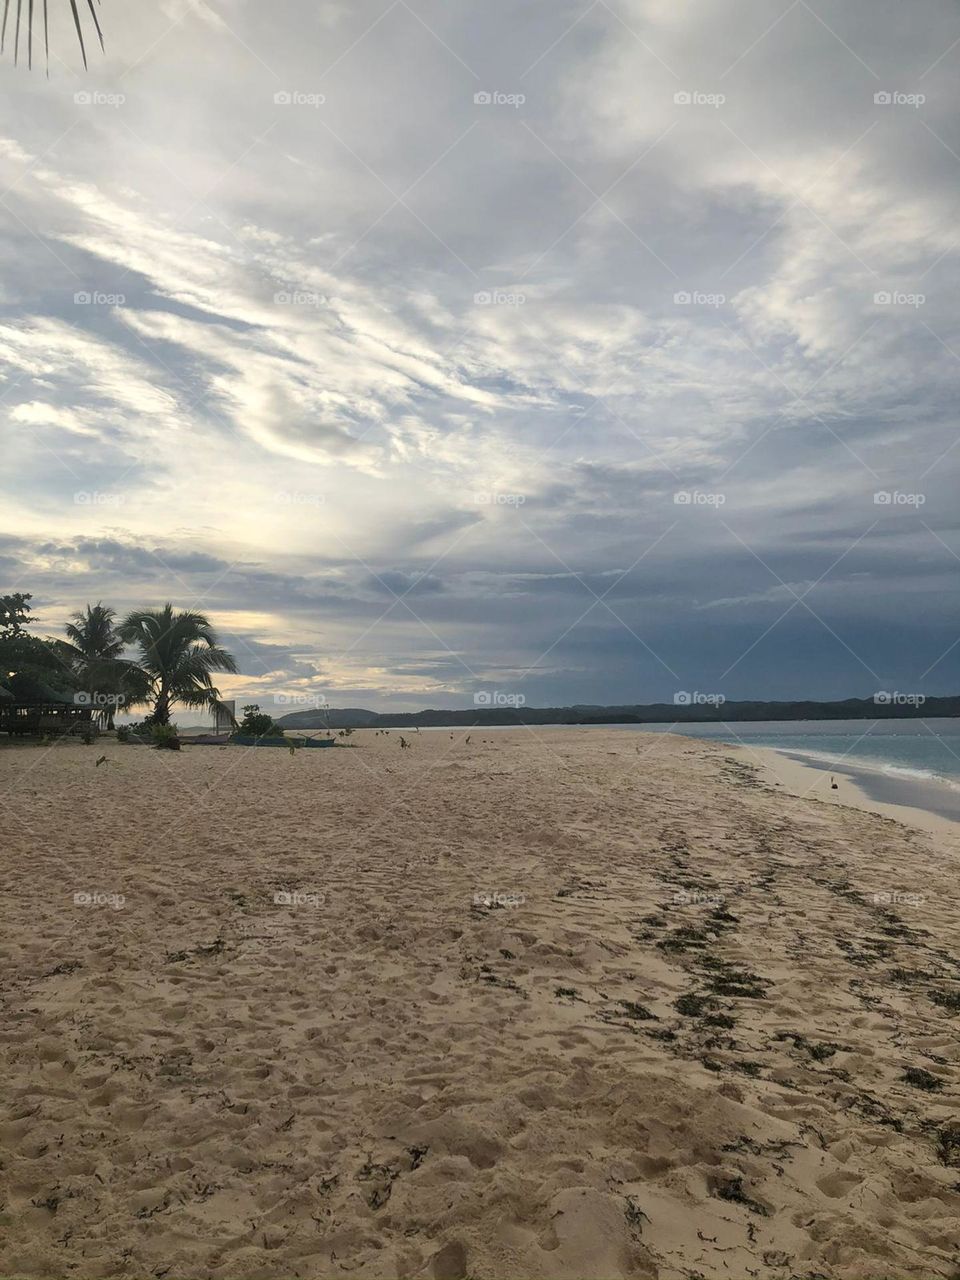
[165, 737]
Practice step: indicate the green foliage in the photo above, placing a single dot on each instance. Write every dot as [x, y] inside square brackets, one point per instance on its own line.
[13, 614]
[178, 652]
[27, 664]
[257, 724]
[165, 737]
[92, 655]
[123, 733]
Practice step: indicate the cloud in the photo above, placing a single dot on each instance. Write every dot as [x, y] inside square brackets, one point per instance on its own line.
[289, 317]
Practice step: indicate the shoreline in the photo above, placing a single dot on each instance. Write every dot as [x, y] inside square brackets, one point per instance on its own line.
[786, 771]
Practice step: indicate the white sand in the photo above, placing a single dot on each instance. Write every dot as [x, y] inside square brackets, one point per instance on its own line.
[381, 1077]
[806, 781]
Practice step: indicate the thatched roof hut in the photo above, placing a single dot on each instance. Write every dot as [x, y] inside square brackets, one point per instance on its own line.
[30, 706]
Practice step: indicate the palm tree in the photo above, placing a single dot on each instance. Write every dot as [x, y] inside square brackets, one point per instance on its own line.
[46, 28]
[91, 654]
[92, 632]
[178, 652]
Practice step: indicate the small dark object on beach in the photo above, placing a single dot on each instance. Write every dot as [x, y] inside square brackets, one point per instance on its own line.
[833, 785]
[921, 1079]
[749, 1068]
[948, 1145]
[723, 1020]
[732, 1189]
[638, 1011]
[691, 1005]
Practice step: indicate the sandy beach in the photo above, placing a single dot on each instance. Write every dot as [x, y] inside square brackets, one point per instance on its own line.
[547, 1004]
[778, 769]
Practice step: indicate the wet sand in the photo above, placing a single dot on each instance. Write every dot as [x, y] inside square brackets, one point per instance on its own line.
[931, 806]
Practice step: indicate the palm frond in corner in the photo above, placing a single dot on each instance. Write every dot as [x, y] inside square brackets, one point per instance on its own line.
[19, 23]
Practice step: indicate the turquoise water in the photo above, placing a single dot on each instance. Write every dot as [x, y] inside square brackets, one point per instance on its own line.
[919, 750]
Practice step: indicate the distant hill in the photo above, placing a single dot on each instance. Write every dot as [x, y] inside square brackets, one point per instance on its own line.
[653, 713]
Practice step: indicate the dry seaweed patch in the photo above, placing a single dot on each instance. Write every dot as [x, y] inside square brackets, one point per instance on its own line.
[920, 1078]
[731, 1189]
[819, 1050]
[725, 979]
[948, 1145]
[685, 938]
[693, 1004]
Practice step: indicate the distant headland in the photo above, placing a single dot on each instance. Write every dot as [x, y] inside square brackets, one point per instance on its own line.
[886, 706]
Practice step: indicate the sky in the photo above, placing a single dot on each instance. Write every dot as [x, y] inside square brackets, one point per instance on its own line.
[561, 351]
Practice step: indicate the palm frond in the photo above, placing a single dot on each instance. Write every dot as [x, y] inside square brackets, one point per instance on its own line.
[27, 21]
[178, 652]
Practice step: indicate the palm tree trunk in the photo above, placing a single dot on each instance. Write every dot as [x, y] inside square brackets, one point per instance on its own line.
[161, 711]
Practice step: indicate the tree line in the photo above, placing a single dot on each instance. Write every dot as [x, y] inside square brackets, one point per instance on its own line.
[175, 654]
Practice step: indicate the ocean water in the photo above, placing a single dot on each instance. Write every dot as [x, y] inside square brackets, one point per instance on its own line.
[921, 750]
[902, 762]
